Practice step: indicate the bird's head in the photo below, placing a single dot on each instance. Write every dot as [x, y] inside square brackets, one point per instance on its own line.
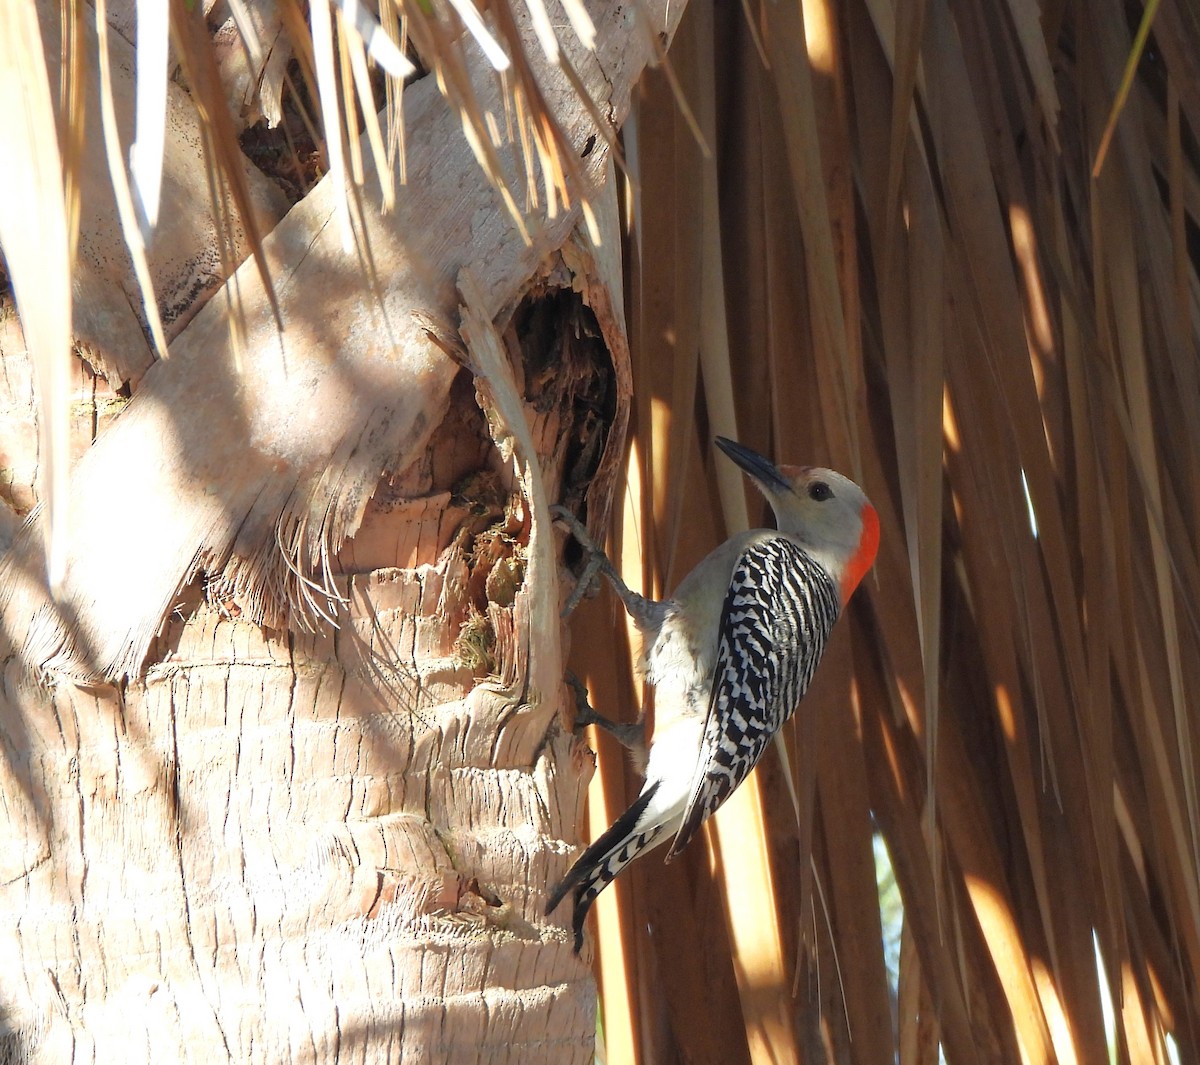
[828, 513]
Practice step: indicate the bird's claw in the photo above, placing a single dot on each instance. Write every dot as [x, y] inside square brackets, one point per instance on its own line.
[596, 559]
[630, 736]
[564, 516]
[583, 709]
[583, 585]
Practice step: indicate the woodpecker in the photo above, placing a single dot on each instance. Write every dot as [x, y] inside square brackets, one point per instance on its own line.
[730, 654]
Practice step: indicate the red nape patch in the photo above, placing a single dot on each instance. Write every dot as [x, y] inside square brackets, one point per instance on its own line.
[864, 557]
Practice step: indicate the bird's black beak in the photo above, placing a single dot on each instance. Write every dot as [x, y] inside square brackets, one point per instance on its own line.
[762, 470]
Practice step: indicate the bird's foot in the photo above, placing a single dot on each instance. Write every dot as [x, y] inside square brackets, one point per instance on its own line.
[596, 560]
[647, 614]
[630, 736]
[564, 516]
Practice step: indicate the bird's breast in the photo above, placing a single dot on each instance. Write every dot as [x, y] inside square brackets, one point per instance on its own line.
[679, 663]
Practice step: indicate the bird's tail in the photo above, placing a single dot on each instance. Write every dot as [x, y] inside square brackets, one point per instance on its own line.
[603, 860]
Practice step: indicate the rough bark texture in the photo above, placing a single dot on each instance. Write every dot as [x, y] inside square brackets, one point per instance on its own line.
[278, 847]
[272, 844]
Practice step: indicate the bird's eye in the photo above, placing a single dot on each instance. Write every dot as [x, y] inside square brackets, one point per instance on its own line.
[819, 491]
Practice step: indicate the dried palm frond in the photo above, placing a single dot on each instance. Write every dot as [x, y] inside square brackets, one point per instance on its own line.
[922, 282]
[36, 236]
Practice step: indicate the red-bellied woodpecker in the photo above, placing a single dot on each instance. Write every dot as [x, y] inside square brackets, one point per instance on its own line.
[730, 654]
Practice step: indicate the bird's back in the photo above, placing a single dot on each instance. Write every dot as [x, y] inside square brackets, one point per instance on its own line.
[779, 608]
[679, 655]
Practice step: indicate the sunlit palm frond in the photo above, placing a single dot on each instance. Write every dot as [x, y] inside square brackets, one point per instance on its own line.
[923, 283]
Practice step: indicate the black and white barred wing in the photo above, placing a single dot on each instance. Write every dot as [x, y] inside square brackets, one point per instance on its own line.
[778, 613]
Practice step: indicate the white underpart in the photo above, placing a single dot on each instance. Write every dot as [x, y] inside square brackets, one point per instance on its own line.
[678, 659]
[672, 765]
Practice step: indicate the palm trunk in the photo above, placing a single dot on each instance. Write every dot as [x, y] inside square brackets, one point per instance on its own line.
[278, 847]
[283, 777]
